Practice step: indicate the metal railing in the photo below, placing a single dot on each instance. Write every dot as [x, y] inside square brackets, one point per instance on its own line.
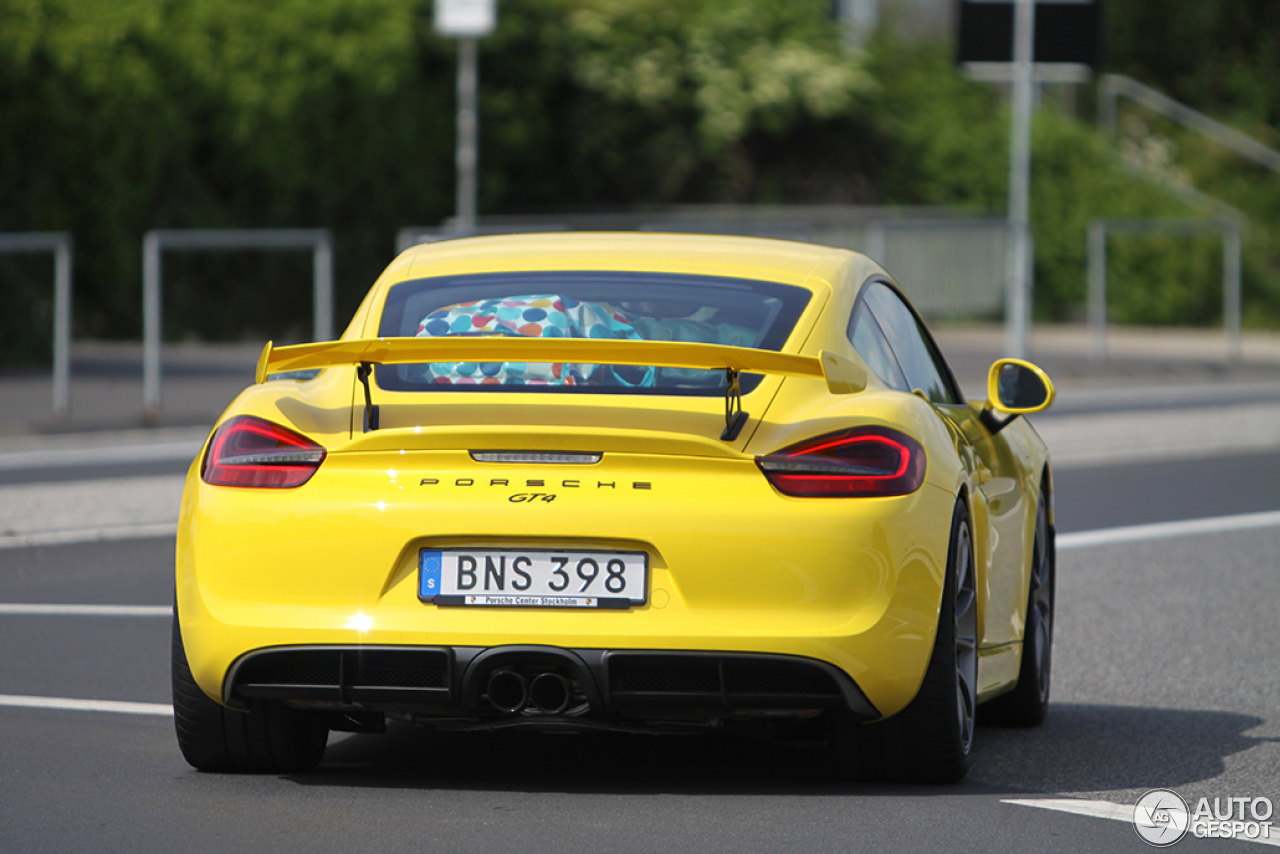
[1113, 86]
[60, 244]
[1099, 229]
[155, 242]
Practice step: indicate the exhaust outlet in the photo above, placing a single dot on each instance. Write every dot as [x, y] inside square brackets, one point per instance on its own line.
[508, 692]
[550, 693]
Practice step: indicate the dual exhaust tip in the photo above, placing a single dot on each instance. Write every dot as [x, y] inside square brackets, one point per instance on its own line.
[548, 693]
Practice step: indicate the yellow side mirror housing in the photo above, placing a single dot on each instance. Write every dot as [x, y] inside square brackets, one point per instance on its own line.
[1018, 387]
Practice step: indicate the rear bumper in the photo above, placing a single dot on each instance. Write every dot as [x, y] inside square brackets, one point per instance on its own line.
[452, 681]
[735, 568]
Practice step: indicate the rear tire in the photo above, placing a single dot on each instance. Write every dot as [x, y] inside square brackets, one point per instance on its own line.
[270, 738]
[928, 741]
[1028, 703]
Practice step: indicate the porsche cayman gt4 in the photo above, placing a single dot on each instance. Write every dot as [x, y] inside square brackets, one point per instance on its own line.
[629, 482]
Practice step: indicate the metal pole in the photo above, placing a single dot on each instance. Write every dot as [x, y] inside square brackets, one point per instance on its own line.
[1097, 302]
[468, 122]
[1018, 294]
[1231, 290]
[151, 326]
[62, 328]
[322, 290]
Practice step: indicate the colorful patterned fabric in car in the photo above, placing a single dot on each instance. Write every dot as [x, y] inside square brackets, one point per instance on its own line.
[532, 316]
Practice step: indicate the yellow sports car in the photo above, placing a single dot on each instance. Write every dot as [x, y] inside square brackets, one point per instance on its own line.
[633, 482]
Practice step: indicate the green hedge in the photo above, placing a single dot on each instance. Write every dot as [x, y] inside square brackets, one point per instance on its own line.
[120, 117]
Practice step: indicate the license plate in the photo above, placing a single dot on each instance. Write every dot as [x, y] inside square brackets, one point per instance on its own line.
[533, 578]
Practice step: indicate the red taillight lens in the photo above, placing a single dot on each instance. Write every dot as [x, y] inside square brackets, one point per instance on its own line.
[249, 451]
[864, 462]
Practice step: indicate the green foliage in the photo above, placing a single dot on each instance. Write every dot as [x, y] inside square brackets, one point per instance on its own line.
[949, 136]
[26, 308]
[951, 143]
[1155, 280]
[1220, 56]
[118, 116]
[731, 65]
[124, 116]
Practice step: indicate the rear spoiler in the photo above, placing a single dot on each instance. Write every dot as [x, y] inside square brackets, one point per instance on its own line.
[842, 374]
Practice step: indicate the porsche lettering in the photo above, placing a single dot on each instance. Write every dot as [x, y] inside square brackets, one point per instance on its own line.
[533, 483]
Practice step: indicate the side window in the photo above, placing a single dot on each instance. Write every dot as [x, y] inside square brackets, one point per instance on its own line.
[868, 339]
[921, 365]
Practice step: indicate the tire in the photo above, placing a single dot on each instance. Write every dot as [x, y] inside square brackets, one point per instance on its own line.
[1028, 703]
[930, 740]
[270, 738]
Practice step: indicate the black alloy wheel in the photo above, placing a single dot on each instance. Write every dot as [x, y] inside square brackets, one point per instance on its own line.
[269, 738]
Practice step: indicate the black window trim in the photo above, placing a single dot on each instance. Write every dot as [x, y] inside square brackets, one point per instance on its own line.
[948, 375]
[861, 305]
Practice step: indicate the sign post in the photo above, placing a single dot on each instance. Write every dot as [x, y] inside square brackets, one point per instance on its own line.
[467, 21]
[1023, 42]
[1018, 297]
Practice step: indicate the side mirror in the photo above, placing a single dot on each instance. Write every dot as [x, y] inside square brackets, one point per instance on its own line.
[1018, 387]
[1015, 387]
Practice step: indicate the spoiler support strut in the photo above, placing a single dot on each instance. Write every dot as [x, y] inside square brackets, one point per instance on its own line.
[734, 417]
[370, 411]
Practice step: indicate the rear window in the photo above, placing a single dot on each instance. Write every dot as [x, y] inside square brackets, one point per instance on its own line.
[585, 304]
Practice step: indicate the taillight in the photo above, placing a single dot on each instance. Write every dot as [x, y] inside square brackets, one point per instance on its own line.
[249, 451]
[862, 462]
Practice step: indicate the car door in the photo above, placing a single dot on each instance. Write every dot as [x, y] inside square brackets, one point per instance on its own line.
[894, 342]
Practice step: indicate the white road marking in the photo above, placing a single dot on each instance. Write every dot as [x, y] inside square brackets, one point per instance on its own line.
[1102, 809]
[22, 608]
[88, 535]
[65, 703]
[1163, 530]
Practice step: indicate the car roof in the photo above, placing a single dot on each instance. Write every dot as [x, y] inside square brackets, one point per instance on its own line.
[784, 261]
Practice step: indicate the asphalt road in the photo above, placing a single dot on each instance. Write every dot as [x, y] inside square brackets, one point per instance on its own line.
[1164, 677]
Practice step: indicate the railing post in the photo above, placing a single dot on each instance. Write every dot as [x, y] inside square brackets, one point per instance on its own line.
[62, 327]
[151, 340]
[322, 289]
[1097, 297]
[1231, 290]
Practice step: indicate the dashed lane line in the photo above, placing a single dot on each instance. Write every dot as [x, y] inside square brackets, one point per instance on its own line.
[68, 704]
[1105, 809]
[21, 608]
[1165, 530]
[89, 535]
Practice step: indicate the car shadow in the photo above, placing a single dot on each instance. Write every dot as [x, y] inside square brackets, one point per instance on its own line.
[1079, 748]
[1091, 748]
